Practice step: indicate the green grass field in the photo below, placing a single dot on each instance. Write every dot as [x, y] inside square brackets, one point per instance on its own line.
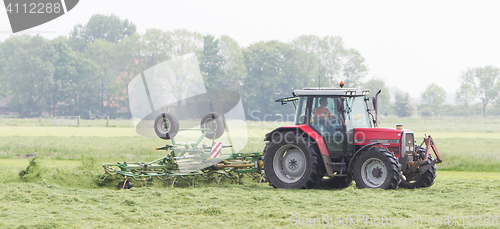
[63, 190]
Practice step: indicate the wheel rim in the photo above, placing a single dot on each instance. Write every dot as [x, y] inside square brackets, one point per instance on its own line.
[211, 125]
[373, 172]
[289, 163]
[163, 126]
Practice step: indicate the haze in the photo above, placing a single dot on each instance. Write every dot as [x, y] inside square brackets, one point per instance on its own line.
[409, 44]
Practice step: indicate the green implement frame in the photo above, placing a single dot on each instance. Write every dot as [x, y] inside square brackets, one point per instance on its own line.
[190, 157]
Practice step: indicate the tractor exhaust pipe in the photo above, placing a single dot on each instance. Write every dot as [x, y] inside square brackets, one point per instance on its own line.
[375, 106]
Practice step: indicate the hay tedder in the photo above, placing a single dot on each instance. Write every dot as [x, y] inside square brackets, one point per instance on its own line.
[335, 140]
[188, 160]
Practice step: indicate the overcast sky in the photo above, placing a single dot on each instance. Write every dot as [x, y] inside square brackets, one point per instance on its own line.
[410, 44]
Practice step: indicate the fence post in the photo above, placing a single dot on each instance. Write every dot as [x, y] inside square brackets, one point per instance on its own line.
[107, 122]
[78, 122]
[40, 119]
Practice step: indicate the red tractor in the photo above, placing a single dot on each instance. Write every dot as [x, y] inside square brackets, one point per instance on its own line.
[336, 139]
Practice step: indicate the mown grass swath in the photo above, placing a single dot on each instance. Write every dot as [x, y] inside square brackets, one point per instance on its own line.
[64, 190]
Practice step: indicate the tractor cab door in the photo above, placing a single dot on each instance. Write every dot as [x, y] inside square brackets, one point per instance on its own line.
[356, 116]
[327, 120]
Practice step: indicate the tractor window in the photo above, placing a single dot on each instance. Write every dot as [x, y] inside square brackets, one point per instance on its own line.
[300, 113]
[323, 107]
[325, 116]
[356, 113]
[327, 120]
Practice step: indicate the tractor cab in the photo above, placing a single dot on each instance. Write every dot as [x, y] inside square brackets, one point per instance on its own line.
[333, 113]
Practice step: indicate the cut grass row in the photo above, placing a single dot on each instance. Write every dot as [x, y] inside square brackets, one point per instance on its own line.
[77, 161]
[61, 190]
[44, 205]
[58, 147]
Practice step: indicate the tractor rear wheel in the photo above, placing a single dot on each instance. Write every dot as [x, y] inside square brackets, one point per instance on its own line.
[420, 180]
[377, 168]
[290, 162]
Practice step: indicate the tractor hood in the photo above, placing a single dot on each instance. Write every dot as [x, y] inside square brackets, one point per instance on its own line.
[380, 133]
[387, 137]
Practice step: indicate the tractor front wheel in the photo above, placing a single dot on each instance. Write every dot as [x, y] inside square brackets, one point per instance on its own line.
[289, 162]
[420, 180]
[376, 168]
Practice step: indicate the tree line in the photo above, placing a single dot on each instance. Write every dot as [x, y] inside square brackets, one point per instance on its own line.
[87, 72]
[479, 89]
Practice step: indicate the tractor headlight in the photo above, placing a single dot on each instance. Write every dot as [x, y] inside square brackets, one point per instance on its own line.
[409, 142]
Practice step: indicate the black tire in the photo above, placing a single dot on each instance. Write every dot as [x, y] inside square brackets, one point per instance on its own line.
[336, 182]
[422, 181]
[127, 185]
[166, 126]
[215, 122]
[376, 168]
[305, 167]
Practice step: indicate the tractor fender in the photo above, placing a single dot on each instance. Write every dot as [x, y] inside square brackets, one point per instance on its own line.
[303, 131]
[349, 168]
[310, 134]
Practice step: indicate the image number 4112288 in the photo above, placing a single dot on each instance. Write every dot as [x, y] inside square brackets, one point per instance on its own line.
[26, 14]
[34, 8]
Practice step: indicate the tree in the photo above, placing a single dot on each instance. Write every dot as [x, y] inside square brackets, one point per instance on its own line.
[325, 61]
[353, 67]
[434, 97]
[157, 46]
[307, 57]
[75, 89]
[403, 105]
[211, 63]
[185, 42]
[484, 81]
[118, 63]
[233, 66]
[222, 64]
[129, 65]
[4, 83]
[331, 54]
[270, 71]
[104, 53]
[30, 73]
[109, 28]
[465, 96]
[114, 46]
[384, 99]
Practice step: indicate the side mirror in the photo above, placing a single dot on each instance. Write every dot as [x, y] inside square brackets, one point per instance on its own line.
[375, 107]
[339, 104]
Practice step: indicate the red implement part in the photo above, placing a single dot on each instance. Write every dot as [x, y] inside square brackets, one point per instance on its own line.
[319, 140]
[430, 142]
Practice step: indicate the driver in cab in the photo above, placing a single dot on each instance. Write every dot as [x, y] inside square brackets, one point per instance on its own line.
[322, 111]
[324, 117]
